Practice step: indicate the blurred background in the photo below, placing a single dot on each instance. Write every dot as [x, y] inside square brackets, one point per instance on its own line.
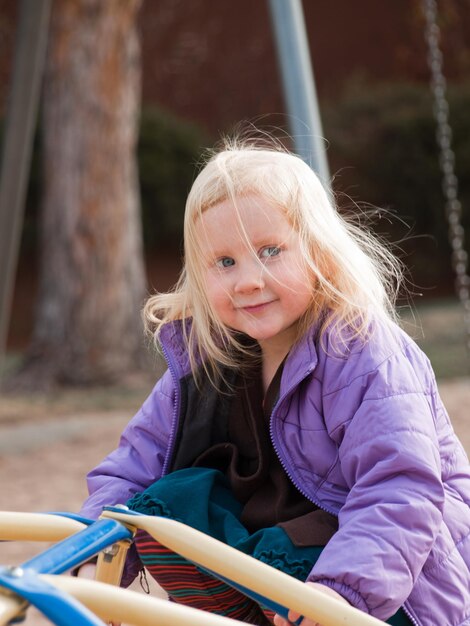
[132, 92]
[155, 83]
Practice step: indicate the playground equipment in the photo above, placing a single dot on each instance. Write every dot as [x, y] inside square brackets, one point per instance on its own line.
[450, 185]
[68, 601]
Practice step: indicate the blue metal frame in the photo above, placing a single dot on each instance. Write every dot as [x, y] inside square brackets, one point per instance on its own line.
[61, 608]
[78, 548]
[74, 516]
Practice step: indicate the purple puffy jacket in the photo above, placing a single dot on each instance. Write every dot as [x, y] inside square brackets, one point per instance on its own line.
[365, 436]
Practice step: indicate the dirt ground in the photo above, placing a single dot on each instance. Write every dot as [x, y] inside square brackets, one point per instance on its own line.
[44, 459]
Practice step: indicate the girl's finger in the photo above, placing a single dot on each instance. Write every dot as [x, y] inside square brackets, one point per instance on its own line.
[293, 616]
[280, 621]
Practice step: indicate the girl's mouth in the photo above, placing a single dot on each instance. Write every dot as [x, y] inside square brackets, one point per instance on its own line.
[254, 308]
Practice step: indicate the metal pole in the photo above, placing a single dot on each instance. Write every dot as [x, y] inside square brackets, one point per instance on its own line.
[21, 117]
[299, 85]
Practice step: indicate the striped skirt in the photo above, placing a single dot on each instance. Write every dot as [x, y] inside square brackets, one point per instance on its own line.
[187, 584]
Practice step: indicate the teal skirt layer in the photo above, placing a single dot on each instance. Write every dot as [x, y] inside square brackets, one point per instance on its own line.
[202, 499]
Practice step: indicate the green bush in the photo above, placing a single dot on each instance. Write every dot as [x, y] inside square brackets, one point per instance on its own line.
[383, 148]
[168, 153]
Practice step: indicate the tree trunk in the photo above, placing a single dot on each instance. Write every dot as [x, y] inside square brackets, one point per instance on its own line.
[88, 327]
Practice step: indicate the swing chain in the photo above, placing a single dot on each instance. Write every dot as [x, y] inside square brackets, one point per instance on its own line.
[453, 207]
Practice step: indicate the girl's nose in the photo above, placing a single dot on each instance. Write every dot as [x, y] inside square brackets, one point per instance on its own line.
[249, 280]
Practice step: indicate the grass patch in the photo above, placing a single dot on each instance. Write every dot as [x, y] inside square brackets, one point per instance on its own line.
[127, 396]
[438, 328]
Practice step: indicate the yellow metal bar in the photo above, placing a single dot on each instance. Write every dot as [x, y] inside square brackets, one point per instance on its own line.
[11, 606]
[122, 605]
[247, 571]
[111, 563]
[20, 526]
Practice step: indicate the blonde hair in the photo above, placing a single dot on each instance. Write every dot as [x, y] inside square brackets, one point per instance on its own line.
[353, 273]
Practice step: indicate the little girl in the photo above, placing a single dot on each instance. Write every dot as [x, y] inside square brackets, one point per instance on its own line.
[296, 421]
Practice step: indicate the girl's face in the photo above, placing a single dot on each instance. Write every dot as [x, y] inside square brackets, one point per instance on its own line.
[254, 273]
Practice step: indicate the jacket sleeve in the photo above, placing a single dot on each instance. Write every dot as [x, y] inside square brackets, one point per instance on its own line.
[136, 463]
[389, 457]
[138, 460]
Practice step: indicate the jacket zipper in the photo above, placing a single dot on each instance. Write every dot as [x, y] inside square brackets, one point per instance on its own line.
[409, 616]
[174, 423]
[176, 411]
[297, 486]
[279, 456]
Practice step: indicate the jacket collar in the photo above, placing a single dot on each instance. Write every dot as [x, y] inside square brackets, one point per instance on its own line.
[300, 362]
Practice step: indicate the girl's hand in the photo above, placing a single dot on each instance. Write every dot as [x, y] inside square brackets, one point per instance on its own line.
[87, 570]
[293, 615]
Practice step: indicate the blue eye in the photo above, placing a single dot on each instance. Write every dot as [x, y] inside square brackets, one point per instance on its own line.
[225, 261]
[269, 252]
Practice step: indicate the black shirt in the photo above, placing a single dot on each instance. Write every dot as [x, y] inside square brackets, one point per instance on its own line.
[257, 478]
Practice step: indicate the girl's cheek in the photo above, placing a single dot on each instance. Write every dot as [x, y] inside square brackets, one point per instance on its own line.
[217, 293]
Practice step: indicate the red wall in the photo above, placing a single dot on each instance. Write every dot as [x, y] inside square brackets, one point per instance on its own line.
[214, 61]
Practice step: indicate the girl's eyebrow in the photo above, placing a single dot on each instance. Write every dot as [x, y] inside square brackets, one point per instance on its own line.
[255, 245]
[216, 253]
